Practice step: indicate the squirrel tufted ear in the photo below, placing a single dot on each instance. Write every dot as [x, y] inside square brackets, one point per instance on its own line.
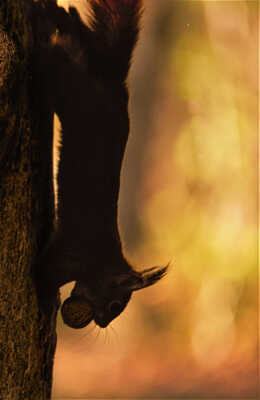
[134, 280]
[149, 277]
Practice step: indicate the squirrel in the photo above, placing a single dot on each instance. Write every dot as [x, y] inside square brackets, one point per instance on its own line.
[83, 72]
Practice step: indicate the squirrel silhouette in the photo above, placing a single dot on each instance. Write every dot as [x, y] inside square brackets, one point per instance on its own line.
[83, 71]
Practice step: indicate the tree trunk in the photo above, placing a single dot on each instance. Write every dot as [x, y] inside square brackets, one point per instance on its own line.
[27, 337]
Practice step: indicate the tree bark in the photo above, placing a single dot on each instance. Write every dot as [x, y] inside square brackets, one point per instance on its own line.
[27, 337]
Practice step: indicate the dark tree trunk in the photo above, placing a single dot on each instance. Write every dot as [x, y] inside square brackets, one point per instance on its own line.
[27, 338]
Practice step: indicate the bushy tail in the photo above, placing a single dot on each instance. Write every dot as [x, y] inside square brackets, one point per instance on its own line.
[115, 27]
[110, 37]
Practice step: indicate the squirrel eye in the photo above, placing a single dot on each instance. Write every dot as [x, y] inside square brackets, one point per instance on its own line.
[114, 306]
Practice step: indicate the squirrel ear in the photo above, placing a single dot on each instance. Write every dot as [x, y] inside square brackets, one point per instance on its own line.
[134, 280]
[150, 276]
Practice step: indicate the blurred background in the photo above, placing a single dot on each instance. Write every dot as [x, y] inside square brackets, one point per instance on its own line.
[189, 195]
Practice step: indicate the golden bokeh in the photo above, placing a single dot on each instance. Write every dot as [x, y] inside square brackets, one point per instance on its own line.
[189, 195]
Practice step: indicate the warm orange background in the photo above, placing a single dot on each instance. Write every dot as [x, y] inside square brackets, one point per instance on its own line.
[189, 195]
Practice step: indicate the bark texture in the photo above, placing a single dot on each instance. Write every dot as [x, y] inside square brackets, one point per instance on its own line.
[27, 337]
